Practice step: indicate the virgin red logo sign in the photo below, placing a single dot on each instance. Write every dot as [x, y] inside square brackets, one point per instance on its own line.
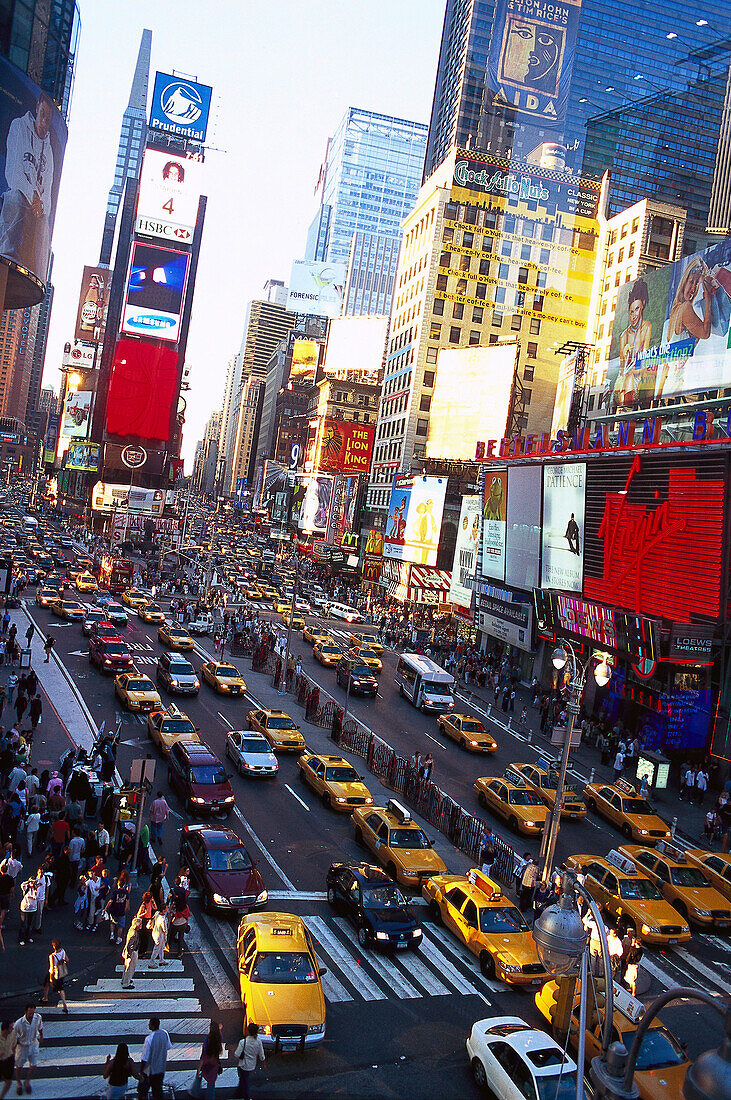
[662, 561]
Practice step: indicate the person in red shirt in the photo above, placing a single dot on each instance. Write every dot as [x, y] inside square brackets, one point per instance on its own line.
[60, 834]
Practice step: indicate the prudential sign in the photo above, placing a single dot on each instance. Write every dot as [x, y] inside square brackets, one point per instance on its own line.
[180, 107]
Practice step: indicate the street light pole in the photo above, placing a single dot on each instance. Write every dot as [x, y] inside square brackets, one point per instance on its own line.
[283, 688]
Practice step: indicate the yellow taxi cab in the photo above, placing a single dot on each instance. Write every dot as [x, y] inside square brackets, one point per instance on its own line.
[366, 656]
[252, 592]
[474, 908]
[684, 885]
[151, 613]
[223, 677]
[133, 598]
[327, 652]
[661, 1064]
[68, 609]
[295, 620]
[634, 817]
[511, 800]
[398, 843]
[542, 777]
[468, 732]
[716, 866]
[46, 596]
[629, 897]
[86, 564]
[314, 634]
[174, 637]
[335, 780]
[136, 692]
[86, 582]
[367, 639]
[281, 605]
[280, 981]
[168, 725]
[281, 732]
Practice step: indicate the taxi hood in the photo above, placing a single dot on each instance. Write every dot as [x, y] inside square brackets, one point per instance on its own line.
[275, 1005]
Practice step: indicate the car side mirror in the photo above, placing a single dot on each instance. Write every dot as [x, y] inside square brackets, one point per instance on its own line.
[322, 971]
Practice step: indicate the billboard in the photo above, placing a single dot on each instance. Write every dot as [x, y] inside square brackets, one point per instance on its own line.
[414, 519]
[180, 107]
[494, 519]
[49, 444]
[523, 550]
[543, 189]
[91, 314]
[672, 331]
[342, 510]
[356, 346]
[82, 456]
[155, 292]
[564, 394]
[562, 536]
[106, 497]
[471, 399]
[314, 509]
[316, 288]
[345, 446]
[531, 57]
[170, 189]
[32, 145]
[78, 355]
[509, 622]
[305, 356]
[465, 551]
[142, 389]
[76, 414]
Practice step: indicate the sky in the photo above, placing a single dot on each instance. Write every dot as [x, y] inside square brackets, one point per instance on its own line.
[282, 74]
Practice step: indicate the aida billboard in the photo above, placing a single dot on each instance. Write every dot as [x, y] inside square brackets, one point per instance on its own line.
[414, 519]
[672, 331]
[346, 447]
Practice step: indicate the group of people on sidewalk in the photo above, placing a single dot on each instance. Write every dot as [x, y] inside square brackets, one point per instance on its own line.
[159, 924]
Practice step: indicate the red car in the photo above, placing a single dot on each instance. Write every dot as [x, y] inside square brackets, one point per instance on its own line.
[222, 868]
[109, 655]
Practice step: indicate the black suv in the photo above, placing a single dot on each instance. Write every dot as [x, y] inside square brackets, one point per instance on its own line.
[374, 904]
[362, 680]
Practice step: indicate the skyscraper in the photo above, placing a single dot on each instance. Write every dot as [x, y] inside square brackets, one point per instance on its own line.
[131, 144]
[43, 42]
[368, 182]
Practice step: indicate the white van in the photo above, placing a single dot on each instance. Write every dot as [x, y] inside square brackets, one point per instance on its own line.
[343, 611]
[424, 683]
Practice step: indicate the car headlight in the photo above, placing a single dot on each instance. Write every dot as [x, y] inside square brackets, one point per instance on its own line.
[382, 935]
[649, 928]
[265, 1029]
[341, 800]
[173, 683]
[229, 799]
[196, 683]
[219, 899]
[474, 743]
[316, 1029]
[199, 801]
[509, 968]
[262, 897]
[416, 933]
[107, 661]
[703, 912]
[643, 832]
[369, 801]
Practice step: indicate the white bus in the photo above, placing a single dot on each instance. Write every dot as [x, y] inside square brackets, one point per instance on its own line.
[424, 683]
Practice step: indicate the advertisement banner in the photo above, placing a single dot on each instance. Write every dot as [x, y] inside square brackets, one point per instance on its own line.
[414, 519]
[155, 292]
[374, 542]
[562, 535]
[315, 507]
[32, 145]
[76, 414]
[316, 288]
[470, 400]
[170, 189]
[83, 456]
[143, 387]
[543, 188]
[180, 107]
[91, 314]
[531, 57]
[671, 333]
[107, 497]
[372, 569]
[49, 445]
[305, 355]
[345, 447]
[509, 622]
[342, 511]
[564, 393]
[465, 551]
[494, 517]
[523, 556]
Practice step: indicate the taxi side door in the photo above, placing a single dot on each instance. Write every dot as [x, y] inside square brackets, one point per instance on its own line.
[595, 873]
[454, 902]
[374, 831]
[120, 684]
[497, 797]
[614, 809]
[315, 770]
[247, 954]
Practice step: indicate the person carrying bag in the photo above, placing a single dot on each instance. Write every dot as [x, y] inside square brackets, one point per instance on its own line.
[248, 1054]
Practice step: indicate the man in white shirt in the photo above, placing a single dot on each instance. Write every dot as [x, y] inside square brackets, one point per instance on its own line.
[154, 1061]
[17, 776]
[25, 228]
[93, 886]
[29, 1035]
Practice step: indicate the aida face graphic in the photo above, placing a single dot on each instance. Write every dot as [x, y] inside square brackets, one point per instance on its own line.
[533, 56]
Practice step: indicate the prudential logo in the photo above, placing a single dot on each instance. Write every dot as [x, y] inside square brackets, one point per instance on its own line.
[182, 103]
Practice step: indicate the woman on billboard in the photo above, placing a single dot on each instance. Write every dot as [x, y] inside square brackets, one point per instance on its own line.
[685, 326]
[637, 337]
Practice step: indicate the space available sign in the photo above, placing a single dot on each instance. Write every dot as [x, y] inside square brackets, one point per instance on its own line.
[509, 622]
[465, 551]
[170, 190]
[180, 106]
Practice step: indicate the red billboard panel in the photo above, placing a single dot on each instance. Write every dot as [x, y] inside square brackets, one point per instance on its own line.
[346, 447]
[142, 389]
[654, 535]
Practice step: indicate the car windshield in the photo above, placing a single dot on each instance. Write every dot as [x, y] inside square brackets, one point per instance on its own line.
[688, 876]
[549, 780]
[206, 774]
[523, 798]
[141, 684]
[504, 919]
[95, 614]
[438, 691]
[383, 897]
[251, 744]
[177, 725]
[658, 1049]
[283, 723]
[408, 838]
[227, 671]
[178, 633]
[360, 670]
[330, 649]
[553, 1088]
[283, 968]
[342, 775]
[365, 652]
[636, 806]
[181, 668]
[472, 727]
[231, 859]
[152, 607]
[116, 650]
[639, 890]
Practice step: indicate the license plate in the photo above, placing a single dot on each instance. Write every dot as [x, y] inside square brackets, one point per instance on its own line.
[723, 924]
[288, 1046]
[401, 946]
[537, 981]
[214, 806]
[674, 939]
[572, 816]
[234, 691]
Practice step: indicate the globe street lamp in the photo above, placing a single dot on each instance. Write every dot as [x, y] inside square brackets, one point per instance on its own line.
[564, 654]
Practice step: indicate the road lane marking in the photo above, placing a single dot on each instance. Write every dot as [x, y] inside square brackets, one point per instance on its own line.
[709, 975]
[263, 849]
[224, 719]
[332, 946]
[384, 967]
[295, 795]
[440, 743]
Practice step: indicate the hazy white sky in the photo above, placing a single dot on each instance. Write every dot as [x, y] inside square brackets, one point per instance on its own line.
[282, 74]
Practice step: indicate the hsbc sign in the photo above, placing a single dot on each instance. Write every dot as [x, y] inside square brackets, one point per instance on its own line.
[153, 227]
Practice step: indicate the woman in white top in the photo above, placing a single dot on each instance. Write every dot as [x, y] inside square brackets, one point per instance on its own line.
[249, 1054]
[58, 968]
[684, 324]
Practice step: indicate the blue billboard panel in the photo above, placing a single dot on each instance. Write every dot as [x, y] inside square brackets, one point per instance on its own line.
[180, 107]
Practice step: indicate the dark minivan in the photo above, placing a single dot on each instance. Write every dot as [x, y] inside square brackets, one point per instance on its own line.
[198, 776]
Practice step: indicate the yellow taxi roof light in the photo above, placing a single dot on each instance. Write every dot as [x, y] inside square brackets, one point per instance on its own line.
[673, 851]
[399, 812]
[485, 884]
[626, 866]
[514, 777]
[628, 1005]
[625, 787]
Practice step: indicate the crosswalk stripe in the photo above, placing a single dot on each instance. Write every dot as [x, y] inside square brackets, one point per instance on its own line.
[123, 1005]
[455, 949]
[448, 971]
[657, 972]
[344, 961]
[158, 986]
[426, 977]
[709, 975]
[383, 966]
[172, 966]
[64, 1057]
[126, 1028]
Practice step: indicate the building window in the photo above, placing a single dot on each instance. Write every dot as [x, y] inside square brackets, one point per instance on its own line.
[535, 326]
[445, 259]
[458, 311]
[631, 250]
[438, 307]
[635, 224]
[468, 240]
[515, 322]
[425, 404]
[422, 427]
[429, 376]
[591, 401]
[503, 271]
[464, 263]
[431, 355]
[528, 373]
[441, 282]
[526, 395]
[435, 331]
[450, 211]
[531, 349]
[493, 338]
[487, 244]
[606, 285]
[538, 302]
[600, 333]
[497, 320]
[625, 230]
[477, 314]
[484, 267]
[470, 215]
[448, 235]
[481, 291]
[617, 278]
[522, 274]
[455, 334]
[474, 337]
[604, 308]
[620, 256]
[462, 287]
[613, 237]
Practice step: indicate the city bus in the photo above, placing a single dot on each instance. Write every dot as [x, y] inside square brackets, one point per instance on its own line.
[115, 574]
